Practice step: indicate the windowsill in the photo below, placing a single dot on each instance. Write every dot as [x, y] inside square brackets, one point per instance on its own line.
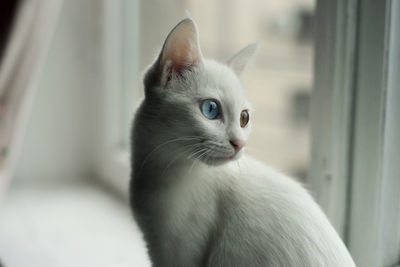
[78, 223]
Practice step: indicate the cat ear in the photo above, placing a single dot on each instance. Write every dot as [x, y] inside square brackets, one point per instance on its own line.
[181, 49]
[240, 60]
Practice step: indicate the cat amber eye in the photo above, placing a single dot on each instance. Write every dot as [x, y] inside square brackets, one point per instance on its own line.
[244, 118]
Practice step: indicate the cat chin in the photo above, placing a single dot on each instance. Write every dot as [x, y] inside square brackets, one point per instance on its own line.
[217, 161]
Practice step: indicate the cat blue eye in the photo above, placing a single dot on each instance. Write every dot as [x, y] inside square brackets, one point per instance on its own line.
[210, 109]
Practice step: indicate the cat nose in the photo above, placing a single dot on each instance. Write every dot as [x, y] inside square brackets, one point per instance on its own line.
[237, 144]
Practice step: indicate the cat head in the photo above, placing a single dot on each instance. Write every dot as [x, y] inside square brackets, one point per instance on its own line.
[198, 106]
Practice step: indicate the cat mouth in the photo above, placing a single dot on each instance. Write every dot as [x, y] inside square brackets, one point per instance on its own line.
[220, 155]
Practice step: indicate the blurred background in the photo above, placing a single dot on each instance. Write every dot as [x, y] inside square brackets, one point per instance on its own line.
[69, 82]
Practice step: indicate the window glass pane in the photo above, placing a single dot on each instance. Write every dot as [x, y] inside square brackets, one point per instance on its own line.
[279, 82]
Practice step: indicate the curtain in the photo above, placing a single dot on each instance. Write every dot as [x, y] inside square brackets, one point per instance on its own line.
[21, 64]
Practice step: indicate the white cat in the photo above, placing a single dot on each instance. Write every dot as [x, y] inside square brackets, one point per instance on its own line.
[197, 201]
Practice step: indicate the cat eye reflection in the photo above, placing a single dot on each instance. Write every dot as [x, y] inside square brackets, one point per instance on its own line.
[244, 118]
[210, 109]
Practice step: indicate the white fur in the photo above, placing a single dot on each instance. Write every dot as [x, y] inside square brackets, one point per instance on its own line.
[195, 205]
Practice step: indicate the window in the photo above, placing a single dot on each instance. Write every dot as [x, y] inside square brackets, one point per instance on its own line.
[353, 173]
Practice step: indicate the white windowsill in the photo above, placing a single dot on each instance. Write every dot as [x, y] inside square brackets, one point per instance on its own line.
[68, 223]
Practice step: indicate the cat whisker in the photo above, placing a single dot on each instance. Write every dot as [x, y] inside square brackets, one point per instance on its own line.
[177, 157]
[220, 150]
[201, 152]
[183, 138]
[208, 155]
[238, 164]
[193, 155]
[218, 146]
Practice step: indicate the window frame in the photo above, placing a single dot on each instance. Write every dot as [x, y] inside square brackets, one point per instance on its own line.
[354, 106]
[331, 106]
[374, 231]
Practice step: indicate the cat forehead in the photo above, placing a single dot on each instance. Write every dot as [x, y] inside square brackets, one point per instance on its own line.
[221, 80]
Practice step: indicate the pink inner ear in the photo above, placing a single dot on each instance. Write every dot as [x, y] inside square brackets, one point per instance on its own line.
[181, 49]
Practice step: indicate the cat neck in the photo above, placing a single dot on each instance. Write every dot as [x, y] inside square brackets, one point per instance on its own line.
[156, 172]
[148, 161]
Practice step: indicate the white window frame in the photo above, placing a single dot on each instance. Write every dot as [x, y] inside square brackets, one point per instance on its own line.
[355, 118]
[356, 64]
